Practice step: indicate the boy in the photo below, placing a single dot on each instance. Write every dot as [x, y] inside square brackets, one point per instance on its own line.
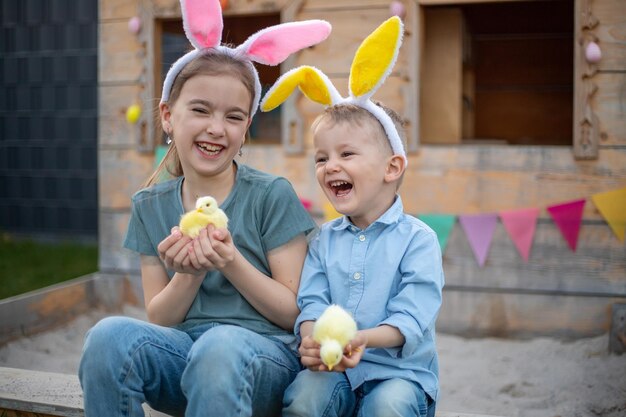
[377, 262]
[380, 264]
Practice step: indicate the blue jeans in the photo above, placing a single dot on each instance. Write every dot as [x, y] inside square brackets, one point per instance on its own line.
[329, 394]
[210, 370]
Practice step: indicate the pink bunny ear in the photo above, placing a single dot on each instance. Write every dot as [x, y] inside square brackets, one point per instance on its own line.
[274, 44]
[202, 21]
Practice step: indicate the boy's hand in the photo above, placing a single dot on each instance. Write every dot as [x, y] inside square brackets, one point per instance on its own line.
[310, 354]
[352, 354]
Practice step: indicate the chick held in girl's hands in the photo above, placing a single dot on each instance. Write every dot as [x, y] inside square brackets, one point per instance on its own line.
[206, 212]
[333, 330]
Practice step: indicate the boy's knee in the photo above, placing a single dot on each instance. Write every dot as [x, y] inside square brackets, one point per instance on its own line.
[316, 393]
[395, 398]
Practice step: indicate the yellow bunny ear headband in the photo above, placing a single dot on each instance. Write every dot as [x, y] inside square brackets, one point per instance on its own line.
[371, 66]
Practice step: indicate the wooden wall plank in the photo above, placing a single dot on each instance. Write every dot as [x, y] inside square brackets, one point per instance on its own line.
[597, 267]
[112, 255]
[350, 27]
[476, 314]
[611, 33]
[121, 173]
[609, 103]
[113, 129]
[117, 9]
[119, 54]
[313, 6]
[476, 179]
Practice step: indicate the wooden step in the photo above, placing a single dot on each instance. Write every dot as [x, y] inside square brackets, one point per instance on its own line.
[25, 393]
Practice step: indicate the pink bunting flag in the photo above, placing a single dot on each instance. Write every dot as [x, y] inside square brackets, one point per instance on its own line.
[520, 225]
[567, 217]
[479, 230]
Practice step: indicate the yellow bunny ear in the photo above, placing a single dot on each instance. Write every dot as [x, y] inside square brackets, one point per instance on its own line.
[312, 82]
[376, 57]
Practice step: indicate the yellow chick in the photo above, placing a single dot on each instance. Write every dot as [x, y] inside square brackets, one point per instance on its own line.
[333, 330]
[206, 212]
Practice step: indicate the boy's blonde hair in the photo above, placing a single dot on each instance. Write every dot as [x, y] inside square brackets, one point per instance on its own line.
[351, 113]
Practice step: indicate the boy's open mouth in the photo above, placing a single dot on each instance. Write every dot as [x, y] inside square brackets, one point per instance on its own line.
[209, 149]
[340, 188]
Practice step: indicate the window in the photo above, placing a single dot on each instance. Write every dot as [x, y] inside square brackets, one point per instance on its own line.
[498, 73]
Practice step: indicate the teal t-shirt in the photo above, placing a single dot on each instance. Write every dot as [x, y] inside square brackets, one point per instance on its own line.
[264, 213]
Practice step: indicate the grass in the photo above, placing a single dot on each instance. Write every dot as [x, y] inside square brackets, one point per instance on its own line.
[27, 265]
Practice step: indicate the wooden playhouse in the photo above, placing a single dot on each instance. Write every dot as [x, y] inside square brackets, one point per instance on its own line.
[509, 105]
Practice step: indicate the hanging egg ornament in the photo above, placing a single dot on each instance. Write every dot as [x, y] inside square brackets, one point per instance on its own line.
[133, 113]
[134, 24]
[396, 8]
[593, 54]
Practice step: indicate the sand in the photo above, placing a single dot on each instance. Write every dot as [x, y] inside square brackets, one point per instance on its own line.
[541, 377]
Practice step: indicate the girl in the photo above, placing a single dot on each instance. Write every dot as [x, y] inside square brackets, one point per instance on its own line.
[221, 306]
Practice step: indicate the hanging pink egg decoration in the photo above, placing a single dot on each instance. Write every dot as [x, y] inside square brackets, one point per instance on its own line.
[593, 54]
[134, 24]
[396, 8]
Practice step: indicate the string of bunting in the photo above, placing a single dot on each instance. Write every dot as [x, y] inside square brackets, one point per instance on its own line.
[520, 224]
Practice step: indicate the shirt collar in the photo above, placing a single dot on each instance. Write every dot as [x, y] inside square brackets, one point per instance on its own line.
[392, 215]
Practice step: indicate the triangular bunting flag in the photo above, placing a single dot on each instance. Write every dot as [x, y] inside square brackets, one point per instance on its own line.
[329, 212]
[612, 206]
[567, 217]
[479, 230]
[520, 225]
[442, 224]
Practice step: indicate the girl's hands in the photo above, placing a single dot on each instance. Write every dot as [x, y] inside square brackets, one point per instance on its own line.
[173, 252]
[212, 249]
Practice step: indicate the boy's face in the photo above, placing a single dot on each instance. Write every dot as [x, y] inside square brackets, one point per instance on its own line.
[351, 166]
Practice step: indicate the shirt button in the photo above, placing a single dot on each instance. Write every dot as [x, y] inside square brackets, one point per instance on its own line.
[362, 238]
[357, 275]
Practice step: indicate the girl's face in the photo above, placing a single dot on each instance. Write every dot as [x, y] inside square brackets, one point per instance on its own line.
[350, 166]
[208, 123]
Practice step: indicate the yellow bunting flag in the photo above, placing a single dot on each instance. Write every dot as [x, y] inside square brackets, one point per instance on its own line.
[329, 212]
[612, 206]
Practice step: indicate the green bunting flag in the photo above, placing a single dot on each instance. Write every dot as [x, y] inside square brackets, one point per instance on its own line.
[442, 224]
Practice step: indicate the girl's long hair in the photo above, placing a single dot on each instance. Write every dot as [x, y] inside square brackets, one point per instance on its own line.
[212, 63]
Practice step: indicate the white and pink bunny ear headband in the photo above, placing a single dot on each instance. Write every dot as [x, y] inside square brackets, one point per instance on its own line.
[371, 66]
[203, 24]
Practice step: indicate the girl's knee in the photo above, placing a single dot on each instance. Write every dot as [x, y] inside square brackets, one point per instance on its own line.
[221, 343]
[107, 331]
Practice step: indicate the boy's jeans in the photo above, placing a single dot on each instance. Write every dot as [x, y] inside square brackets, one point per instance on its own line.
[329, 394]
[212, 370]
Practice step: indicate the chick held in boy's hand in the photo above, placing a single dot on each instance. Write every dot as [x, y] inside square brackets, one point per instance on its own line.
[333, 330]
[206, 212]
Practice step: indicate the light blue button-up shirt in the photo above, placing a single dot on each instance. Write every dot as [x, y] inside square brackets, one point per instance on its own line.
[390, 273]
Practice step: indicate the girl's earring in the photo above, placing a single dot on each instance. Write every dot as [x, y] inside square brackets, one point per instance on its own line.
[240, 152]
[168, 140]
